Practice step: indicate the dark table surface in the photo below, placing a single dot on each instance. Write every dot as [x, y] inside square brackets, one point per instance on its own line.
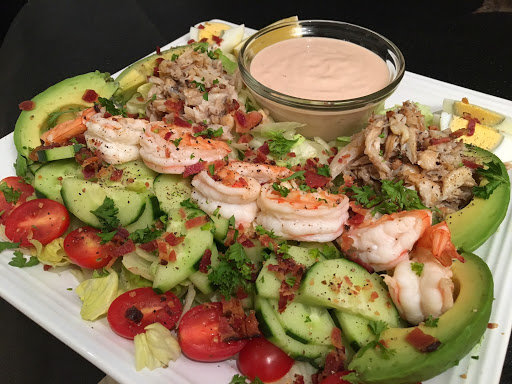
[47, 41]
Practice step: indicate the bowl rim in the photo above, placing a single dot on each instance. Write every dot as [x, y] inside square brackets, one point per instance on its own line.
[320, 105]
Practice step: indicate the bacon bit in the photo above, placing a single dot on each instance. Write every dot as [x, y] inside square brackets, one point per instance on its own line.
[232, 105]
[158, 50]
[373, 296]
[340, 160]
[107, 115]
[265, 240]
[196, 222]
[201, 26]
[492, 325]
[421, 341]
[235, 324]
[314, 180]
[389, 114]
[471, 164]
[182, 213]
[90, 96]
[173, 240]
[149, 247]
[116, 174]
[465, 100]
[299, 379]
[191, 41]
[248, 243]
[217, 39]
[181, 123]
[244, 122]
[471, 127]
[172, 255]
[47, 267]
[285, 268]
[27, 105]
[168, 135]
[441, 140]
[336, 338]
[156, 72]
[176, 107]
[120, 250]
[245, 138]
[206, 260]
[193, 169]
[458, 133]
[334, 362]
[356, 220]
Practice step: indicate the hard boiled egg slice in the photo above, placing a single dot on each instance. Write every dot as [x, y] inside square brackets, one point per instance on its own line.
[231, 38]
[218, 34]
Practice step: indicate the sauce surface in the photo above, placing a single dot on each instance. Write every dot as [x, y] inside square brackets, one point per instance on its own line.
[320, 68]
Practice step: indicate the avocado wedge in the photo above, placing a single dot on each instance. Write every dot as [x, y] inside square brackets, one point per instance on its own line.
[474, 224]
[459, 330]
[62, 96]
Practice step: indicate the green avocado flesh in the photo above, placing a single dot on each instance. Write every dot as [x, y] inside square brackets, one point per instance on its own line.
[137, 73]
[459, 330]
[59, 97]
[471, 226]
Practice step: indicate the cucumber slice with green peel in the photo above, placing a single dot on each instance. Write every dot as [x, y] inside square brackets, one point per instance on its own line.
[344, 285]
[136, 177]
[148, 217]
[200, 279]
[58, 153]
[81, 197]
[171, 190]
[305, 323]
[354, 328]
[221, 228]
[271, 328]
[34, 167]
[49, 177]
[188, 253]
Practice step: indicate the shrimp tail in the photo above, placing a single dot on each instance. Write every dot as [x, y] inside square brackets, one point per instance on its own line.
[68, 129]
[437, 240]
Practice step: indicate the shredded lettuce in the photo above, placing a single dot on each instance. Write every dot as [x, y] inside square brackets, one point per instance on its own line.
[155, 348]
[52, 253]
[137, 103]
[97, 294]
[129, 280]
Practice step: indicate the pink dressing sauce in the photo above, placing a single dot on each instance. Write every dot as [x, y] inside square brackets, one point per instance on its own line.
[320, 68]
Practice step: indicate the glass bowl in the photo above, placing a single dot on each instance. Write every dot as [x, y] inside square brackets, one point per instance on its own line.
[327, 119]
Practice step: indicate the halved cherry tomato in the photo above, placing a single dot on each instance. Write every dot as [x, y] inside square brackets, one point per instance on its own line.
[336, 378]
[263, 359]
[17, 184]
[200, 338]
[134, 310]
[41, 219]
[84, 248]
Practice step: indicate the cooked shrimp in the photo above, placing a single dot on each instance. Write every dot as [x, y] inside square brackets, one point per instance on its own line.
[234, 188]
[384, 243]
[170, 149]
[436, 242]
[116, 138]
[303, 216]
[69, 128]
[420, 290]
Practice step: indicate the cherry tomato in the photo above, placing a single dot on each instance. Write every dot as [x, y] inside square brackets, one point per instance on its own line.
[84, 248]
[134, 310]
[200, 338]
[263, 359]
[41, 219]
[336, 378]
[17, 184]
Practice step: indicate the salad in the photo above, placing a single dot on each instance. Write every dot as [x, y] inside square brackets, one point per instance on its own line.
[186, 207]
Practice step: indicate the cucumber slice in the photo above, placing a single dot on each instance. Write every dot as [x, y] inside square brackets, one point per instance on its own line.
[148, 217]
[274, 332]
[221, 228]
[81, 197]
[58, 153]
[305, 323]
[354, 328]
[188, 253]
[49, 177]
[200, 279]
[171, 190]
[136, 177]
[34, 167]
[344, 285]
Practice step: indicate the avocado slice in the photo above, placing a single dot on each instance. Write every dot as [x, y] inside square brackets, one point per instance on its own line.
[459, 330]
[471, 226]
[137, 73]
[62, 96]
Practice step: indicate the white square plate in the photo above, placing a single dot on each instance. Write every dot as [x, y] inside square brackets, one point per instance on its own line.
[45, 298]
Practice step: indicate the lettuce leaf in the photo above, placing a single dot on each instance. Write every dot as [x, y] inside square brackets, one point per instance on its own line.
[97, 294]
[52, 253]
[155, 348]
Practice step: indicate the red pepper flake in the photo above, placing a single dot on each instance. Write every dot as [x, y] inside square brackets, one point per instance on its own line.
[245, 138]
[203, 40]
[173, 240]
[347, 279]
[27, 105]
[191, 41]
[182, 213]
[158, 50]
[373, 296]
[196, 222]
[90, 96]
[340, 160]
[421, 341]
[172, 255]
[206, 260]
[201, 26]
[47, 267]
[217, 39]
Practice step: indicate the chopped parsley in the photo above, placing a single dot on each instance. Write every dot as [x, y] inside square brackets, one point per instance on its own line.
[107, 214]
[211, 169]
[20, 166]
[239, 379]
[249, 107]
[279, 145]
[145, 235]
[308, 319]
[431, 322]
[233, 272]
[8, 245]
[11, 195]
[210, 133]
[174, 57]
[203, 47]
[111, 108]
[377, 327]
[297, 175]
[177, 141]
[106, 236]
[324, 171]
[19, 260]
[417, 268]
[283, 191]
[494, 177]
[189, 204]
[262, 231]
[200, 86]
